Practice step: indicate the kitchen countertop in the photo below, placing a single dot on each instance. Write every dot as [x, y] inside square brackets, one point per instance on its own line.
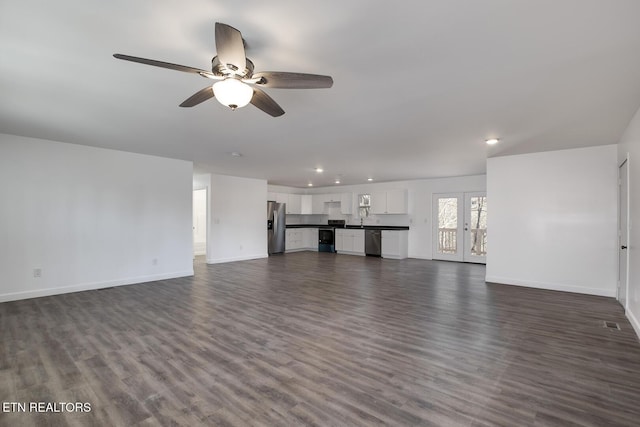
[351, 227]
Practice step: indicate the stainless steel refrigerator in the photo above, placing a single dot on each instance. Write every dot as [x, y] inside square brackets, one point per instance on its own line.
[276, 226]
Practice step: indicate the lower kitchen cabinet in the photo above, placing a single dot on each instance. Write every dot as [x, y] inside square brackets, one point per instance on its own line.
[310, 238]
[395, 244]
[301, 239]
[293, 239]
[349, 241]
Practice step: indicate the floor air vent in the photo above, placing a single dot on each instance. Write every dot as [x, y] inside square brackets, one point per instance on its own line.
[611, 325]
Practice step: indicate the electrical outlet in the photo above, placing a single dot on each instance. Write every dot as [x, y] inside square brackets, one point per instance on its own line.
[240, 247]
[37, 272]
[154, 261]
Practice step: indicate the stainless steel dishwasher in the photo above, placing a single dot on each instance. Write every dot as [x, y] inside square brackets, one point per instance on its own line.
[373, 242]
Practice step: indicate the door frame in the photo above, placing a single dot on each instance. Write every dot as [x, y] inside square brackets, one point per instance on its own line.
[463, 253]
[622, 289]
[435, 229]
[206, 222]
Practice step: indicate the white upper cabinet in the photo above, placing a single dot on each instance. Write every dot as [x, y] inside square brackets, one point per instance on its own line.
[378, 202]
[346, 203]
[294, 203]
[389, 202]
[317, 203]
[281, 197]
[333, 197]
[306, 204]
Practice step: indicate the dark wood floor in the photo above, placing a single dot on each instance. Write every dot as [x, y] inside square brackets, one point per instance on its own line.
[319, 339]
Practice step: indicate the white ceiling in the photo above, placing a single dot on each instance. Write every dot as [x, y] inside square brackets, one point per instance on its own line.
[418, 84]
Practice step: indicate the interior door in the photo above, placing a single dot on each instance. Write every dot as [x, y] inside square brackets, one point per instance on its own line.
[623, 233]
[460, 227]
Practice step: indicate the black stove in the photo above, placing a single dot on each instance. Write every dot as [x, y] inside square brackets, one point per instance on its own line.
[326, 235]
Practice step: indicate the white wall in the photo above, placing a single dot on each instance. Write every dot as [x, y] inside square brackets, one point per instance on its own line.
[420, 201]
[630, 145]
[238, 219]
[553, 220]
[89, 218]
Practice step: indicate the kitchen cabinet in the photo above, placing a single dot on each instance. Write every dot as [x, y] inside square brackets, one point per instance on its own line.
[349, 241]
[294, 203]
[310, 238]
[293, 239]
[317, 203]
[346, 203]
[306, 204]
[389, 202]
[358, 241]
[332, 197]
[395, 244]
[278, 197]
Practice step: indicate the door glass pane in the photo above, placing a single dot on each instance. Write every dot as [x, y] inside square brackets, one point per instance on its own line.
[478, 226]
[447, 225]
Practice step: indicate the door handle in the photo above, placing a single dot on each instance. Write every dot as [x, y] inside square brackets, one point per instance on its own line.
[623, 247]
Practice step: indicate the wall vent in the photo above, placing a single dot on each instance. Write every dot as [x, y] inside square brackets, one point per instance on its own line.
[611, 325]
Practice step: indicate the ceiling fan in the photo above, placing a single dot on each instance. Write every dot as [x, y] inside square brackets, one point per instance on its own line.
[237, 85]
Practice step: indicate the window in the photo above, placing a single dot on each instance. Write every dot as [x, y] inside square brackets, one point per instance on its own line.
[364, 203]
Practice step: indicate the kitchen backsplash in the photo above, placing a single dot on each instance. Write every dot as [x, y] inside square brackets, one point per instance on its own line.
[391, 220]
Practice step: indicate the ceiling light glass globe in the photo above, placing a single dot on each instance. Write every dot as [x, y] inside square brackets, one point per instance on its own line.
[232, 93]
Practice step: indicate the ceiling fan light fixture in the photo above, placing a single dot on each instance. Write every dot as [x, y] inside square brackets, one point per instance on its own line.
[232, 93]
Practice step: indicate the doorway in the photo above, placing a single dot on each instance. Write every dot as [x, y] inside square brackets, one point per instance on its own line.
[623, 232]
[200, 222]
[460, 227]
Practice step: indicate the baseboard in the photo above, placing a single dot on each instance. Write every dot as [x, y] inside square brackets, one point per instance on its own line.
[634, 322]
[413, 256]
[552, 286]
[234, 259]
[15, 296]
[351, 253]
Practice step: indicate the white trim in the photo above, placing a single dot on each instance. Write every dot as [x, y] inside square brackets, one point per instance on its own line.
[421, 257]
[351, 253]
[634, 322]
[234, 259]
[14, 296]
[552, 286]
[628, 233]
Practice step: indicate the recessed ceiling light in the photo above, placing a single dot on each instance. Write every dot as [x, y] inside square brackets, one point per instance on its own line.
[309, 185]
[319, 170]
[369, 179]
[492, 141]
[236, 154]
[337, 181]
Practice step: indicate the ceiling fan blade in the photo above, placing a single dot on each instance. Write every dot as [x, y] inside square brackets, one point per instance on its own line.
[198, 97]
[168, 65]
[284, 80]
[229, 46]
[264, 102]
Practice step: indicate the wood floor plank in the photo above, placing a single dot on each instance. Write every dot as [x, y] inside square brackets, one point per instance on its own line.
[322, 340]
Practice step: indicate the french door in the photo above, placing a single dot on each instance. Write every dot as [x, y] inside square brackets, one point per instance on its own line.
[460, 227]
